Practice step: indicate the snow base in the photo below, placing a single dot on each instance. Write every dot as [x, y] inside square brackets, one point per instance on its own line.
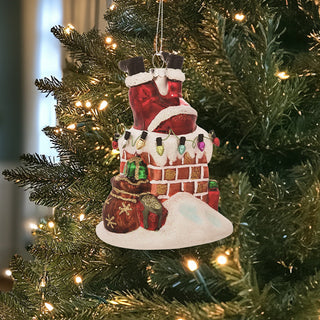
[190, 222]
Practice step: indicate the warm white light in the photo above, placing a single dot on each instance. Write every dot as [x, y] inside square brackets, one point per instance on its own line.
[49, 306]
[42, 283]
[108, 40]
[115, 152]
[222, 259]
[192, 265]
[33, 226]
[81, 217]
[72, 126]
[103, 105]
[77, 279]
[68, 28]
[78, 104]
[239, 16]
[114, 46]
[88, 104]
[112, 7]
[282, 75]
[8, 273]
[51, 224]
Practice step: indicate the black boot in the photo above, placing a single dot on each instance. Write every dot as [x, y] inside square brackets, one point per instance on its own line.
[173, 60]
[132, 66]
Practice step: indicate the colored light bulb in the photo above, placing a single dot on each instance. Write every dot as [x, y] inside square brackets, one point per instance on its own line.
[142, 140]
[181, 146]
[201, 144]
[160, 148]
[216, 141]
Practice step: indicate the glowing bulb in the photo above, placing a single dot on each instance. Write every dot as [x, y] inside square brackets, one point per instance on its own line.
[103, 105]
[192, 265]
[49, 306]
[78, 104]
[71, 126]
[69, 28]
[115, 152]
[112, 7]
[108, 40]
[88, 104]
[282, 75]
[81, 217]
[51, 224]
[77, 279]
[239, 16]
[42, 283]
[8, 273]
[114, 46]
[33, 226]
[222, 259]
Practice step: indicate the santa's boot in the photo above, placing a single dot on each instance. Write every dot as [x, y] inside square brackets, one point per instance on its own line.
[144, 97]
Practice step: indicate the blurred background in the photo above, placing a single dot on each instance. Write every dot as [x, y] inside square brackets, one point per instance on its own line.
[29, 51]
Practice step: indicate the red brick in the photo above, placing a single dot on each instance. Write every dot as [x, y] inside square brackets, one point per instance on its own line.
[188, 187]
[202, 187]
[195, 172]
[183, 173]
[174, 188]
[155, 174]
[188, 160]
[159, 189]
[169, 174]
[205, 172]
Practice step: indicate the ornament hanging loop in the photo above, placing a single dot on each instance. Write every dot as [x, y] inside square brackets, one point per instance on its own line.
[155, 60]
[159, 37]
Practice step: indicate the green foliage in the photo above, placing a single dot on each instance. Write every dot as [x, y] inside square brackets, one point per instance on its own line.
[268, 169]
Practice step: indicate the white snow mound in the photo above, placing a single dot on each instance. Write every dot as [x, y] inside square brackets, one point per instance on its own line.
[190, 222]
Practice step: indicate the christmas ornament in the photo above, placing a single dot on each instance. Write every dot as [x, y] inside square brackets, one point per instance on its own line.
[162, 198]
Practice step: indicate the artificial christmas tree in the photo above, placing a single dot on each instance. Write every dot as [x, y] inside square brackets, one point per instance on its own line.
[250, 79]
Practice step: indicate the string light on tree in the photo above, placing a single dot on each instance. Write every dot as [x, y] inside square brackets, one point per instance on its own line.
[68, 28]
[78, 279]
[112, 7]
[239, 16]
[51, 224]
[33, 226]
[192, 265]
[103, 105]
[72, 126]
[48, 306]
[282, 75]
[78, 104]
[114, 46]
[81, 216]
[88, 104]
[222, 259]
[8, 272]
[108, 40]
